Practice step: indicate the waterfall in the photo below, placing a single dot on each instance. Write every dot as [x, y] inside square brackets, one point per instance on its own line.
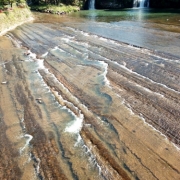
[91, 4]
[142, 3]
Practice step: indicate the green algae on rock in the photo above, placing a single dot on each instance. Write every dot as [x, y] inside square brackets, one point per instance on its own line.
[13, 18]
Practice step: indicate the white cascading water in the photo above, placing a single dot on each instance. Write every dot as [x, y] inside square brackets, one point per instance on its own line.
[92, 4]
[142, 3]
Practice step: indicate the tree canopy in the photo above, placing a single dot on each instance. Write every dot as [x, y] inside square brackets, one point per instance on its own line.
[55, 2]
[4, 3]
[100, 4]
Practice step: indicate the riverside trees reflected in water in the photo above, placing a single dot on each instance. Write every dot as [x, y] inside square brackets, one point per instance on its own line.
[97, 97]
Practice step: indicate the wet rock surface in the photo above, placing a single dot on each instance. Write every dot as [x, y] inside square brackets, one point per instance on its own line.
[86, 107]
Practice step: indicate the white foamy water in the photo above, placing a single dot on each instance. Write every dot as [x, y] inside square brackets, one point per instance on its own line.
[129, 108]
[55, 48]
[84, 33]
[79, 31]
[105, 65]
[28, 139]
[163, 58]
[92, 158]
[103, 39]
[32, 55]
[65, 39]
[38, 165]
[44, 55]
[76, 125]
[22, 123]
[40, 64]
[79, 140]
[149, 91]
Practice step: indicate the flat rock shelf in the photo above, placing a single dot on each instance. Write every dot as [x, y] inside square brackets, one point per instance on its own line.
[76, 105]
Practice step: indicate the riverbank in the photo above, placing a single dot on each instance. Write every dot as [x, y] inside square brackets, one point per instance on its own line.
[59, 10]
[12, 18]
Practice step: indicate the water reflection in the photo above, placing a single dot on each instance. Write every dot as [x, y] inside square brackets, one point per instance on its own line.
[138, 26]
[135, 14]
[140, 15]
[92, 15]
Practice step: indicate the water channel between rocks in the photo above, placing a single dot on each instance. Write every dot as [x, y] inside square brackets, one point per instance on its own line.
[94, 95]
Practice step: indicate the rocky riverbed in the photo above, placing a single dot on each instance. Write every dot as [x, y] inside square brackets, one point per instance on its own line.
[75, 105]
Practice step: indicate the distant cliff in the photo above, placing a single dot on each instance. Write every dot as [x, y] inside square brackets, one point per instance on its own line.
[117, 4]
[110, 4]
[113, 4]
[164, 3]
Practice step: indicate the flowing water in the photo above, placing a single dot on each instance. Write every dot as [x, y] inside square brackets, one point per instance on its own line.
[142, 3]
[93, 95]
[91, 4]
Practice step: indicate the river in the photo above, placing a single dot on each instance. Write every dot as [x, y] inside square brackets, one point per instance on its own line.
[93, 95]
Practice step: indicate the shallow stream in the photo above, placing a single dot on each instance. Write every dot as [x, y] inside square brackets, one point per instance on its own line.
[91, 95]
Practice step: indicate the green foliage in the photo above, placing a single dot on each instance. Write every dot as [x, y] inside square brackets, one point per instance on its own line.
[56, 2]
[6, 4]
[55, 9]
[6, 12]
[99, 3]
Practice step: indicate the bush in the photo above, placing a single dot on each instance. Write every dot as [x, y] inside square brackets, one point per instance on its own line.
[6, 13]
